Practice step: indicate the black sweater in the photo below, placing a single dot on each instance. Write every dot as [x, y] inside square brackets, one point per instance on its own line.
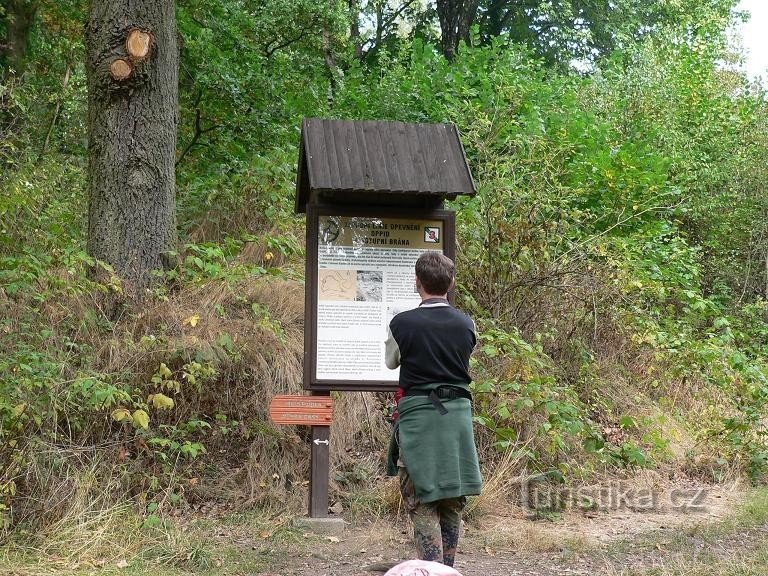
[435, 343]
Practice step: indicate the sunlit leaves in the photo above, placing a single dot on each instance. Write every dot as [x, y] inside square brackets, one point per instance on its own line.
[121, 414]
[160, 401]
[140, 418]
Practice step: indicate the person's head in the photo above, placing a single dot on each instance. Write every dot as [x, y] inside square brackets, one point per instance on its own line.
[435, 273]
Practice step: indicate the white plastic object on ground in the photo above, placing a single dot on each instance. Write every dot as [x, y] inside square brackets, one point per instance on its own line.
[421, 568]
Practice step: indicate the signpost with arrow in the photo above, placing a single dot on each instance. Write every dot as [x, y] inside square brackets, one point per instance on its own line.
[315, 411]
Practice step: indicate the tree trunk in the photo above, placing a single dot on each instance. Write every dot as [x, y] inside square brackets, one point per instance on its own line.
[456, 18]
[447, 12]
[354, 27]
[330, 59]
[467, 19]
[330, 64]
[57, 110]
[19, 16]
[132, 62]
[765, 294]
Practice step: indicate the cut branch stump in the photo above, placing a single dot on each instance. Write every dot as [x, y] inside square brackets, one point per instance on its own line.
[138, 44]
[120, 69]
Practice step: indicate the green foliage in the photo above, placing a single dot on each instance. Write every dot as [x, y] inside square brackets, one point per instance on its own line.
[249, 72]
[518, 390]
[630, 178]
[210, 261]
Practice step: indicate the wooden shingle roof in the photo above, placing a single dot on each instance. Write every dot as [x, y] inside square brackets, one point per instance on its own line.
[378, 162]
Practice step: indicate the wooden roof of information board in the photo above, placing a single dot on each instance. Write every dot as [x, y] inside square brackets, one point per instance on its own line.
[378, 162]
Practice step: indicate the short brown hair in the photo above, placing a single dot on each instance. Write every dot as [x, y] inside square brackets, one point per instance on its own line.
[435, 272]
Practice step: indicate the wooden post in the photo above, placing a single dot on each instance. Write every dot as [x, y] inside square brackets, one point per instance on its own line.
[319, 469]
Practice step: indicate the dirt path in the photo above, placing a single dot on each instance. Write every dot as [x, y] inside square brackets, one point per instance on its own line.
[724, 533]
[603, 542]
[653, 552]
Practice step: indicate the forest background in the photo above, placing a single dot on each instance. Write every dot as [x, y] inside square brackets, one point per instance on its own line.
[615, 257]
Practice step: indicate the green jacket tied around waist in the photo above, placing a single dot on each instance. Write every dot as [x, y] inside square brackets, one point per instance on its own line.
[438, 450]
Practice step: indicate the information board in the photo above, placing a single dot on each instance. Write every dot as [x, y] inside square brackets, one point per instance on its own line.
[363, 276]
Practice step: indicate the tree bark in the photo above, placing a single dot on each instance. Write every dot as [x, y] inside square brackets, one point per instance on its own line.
[354, 27]
[132, 122]
[456, 18]
[330, 59]
[330, 63]
[19, 16]
[765, 294]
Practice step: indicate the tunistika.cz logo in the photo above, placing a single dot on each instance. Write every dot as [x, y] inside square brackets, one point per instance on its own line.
[538, 493]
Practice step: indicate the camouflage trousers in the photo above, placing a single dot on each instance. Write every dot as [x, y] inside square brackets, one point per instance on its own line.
[436, 525]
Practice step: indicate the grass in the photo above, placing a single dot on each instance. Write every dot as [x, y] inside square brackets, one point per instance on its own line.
[529, 538]
[738, 546]
[238, 544]
[754, 563]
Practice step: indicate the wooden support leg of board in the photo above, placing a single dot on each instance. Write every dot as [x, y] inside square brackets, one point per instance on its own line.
[320, 470]
[319, 521]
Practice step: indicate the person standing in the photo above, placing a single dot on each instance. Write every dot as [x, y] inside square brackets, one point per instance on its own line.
[433, 448]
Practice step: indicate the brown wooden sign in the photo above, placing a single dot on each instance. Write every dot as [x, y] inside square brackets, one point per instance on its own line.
[301, 410]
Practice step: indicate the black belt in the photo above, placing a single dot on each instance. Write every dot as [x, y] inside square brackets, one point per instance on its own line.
[443, 392]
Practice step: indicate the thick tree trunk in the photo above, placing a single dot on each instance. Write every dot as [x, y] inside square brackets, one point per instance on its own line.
[132, 61]
[19, 16]
[447, 13]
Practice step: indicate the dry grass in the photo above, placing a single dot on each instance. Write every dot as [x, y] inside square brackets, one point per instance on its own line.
[79, 509]
[256, 463]
[259, 252]
[61, 483]
[501, 533]
[501, 486]
[268, 362]
[733, 547]
[269, 350]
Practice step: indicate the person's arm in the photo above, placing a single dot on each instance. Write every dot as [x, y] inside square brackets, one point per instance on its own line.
[391, 351]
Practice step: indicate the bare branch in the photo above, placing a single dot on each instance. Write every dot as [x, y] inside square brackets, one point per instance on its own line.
[199, 131]
[57, 109]
[269, 49]
[619, 223]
